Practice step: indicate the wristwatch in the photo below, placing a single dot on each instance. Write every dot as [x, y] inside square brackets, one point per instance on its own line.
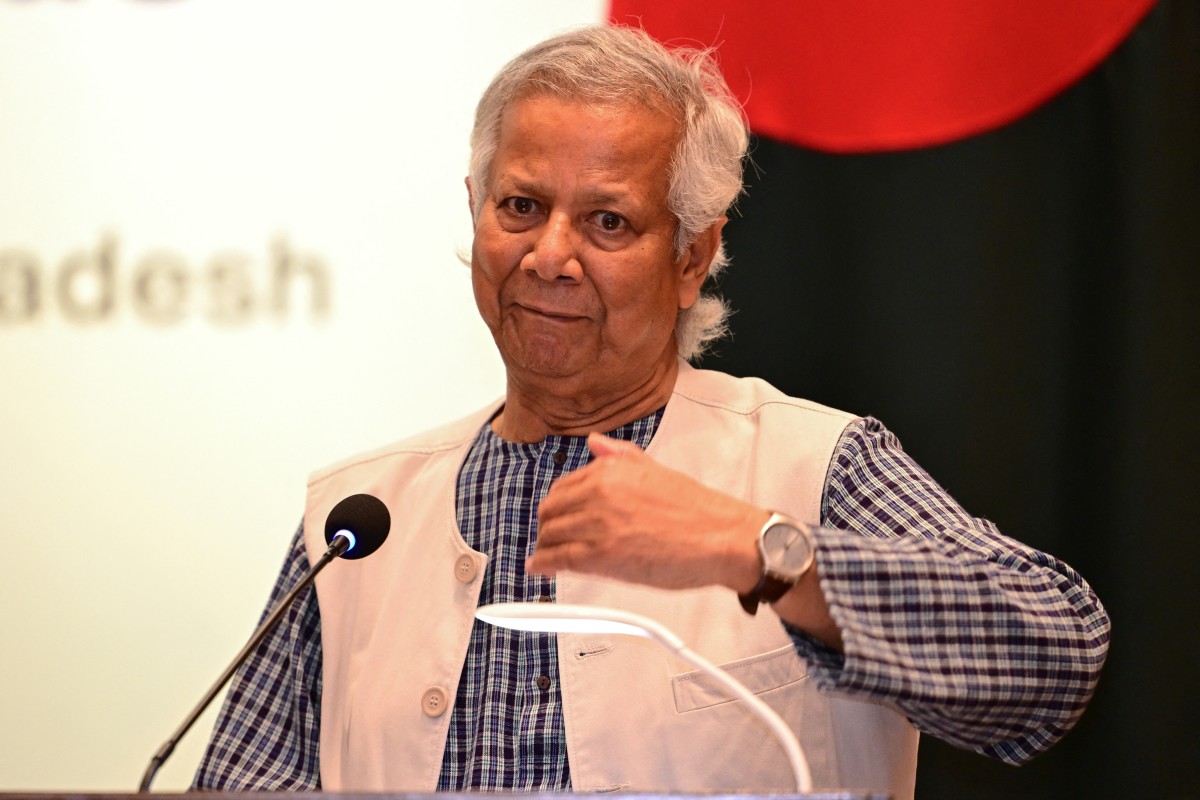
[787, 552]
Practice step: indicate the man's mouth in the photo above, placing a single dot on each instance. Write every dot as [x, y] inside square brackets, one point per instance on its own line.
[553, 313]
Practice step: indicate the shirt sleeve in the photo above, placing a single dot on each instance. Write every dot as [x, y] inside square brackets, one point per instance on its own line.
[267, 735]
[981, 641]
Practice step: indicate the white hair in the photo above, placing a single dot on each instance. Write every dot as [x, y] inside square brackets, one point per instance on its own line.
[613, 65]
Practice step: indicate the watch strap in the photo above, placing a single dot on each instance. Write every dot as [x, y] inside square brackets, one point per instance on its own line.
[768, 590]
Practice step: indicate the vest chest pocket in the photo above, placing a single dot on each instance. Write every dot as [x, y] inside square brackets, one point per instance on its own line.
[760, 673]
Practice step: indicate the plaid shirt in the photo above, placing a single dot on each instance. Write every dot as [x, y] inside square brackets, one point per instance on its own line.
[981, 641]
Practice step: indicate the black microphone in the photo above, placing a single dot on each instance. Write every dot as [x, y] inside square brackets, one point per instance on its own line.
[362, 520]
[355, 528]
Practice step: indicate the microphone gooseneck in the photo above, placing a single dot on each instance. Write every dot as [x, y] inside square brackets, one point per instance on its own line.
[355, 528]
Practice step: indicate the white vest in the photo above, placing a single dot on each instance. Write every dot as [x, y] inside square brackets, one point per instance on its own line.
[395, 626]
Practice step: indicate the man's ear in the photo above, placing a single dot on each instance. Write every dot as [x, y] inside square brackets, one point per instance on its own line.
[470, 199]
[695, 261]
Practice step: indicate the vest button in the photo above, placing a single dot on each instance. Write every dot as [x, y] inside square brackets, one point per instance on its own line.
[433, 701]
[465, 569]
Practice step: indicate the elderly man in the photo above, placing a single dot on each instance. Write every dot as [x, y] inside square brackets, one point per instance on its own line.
[614, 473]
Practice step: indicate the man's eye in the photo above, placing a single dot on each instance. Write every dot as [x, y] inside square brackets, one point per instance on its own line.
[520, 205]
[610, 221]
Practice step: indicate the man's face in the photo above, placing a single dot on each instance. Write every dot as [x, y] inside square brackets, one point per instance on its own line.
[573, 263]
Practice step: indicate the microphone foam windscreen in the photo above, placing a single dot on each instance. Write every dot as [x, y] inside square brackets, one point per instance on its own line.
[365, 517]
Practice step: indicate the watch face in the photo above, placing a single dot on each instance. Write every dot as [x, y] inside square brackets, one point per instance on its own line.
[787, 550]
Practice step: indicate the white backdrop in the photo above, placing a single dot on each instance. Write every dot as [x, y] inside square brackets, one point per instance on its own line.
[228, 237]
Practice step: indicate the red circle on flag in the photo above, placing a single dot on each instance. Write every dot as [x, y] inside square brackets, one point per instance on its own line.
[865, 75]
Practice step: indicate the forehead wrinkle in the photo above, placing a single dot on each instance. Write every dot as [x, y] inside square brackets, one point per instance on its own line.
[603, 196]
[603, 186]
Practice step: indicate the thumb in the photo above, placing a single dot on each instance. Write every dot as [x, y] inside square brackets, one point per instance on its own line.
[606, 447]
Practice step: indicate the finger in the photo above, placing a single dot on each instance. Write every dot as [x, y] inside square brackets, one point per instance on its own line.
[548, 561]
[587, 485]
[568, 494]
[606, 447]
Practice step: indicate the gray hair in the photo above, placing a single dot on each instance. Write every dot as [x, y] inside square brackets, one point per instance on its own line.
[612, 65]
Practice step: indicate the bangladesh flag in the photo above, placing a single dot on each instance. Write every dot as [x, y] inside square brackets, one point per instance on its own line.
[979, 220]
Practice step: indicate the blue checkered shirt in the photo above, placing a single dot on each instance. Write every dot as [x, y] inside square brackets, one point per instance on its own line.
[981, 641]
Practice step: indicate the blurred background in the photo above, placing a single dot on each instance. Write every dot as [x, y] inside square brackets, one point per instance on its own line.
[228, 255]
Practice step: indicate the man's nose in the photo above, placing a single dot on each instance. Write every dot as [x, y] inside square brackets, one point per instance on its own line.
[555, 253]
